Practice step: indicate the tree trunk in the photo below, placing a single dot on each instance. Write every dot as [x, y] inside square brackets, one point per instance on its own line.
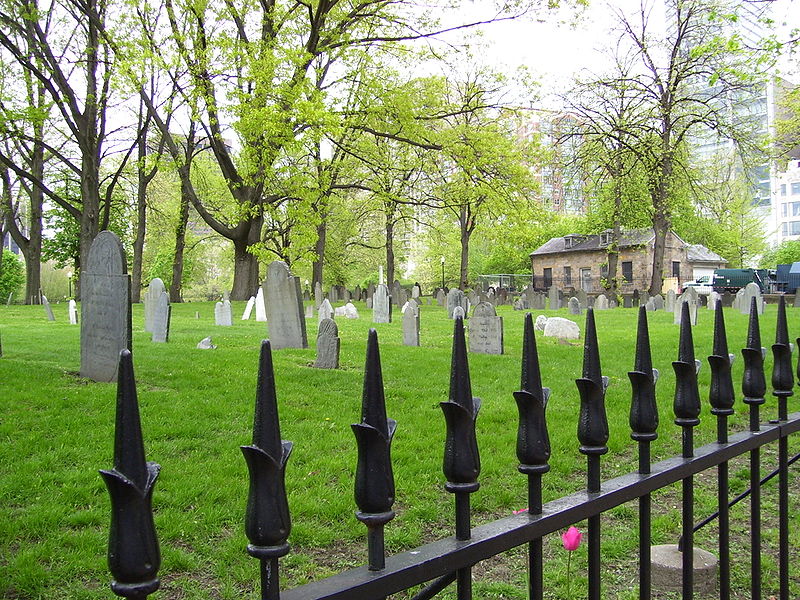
[141, 222]
[464, 266]
[389, 252]
[180, 243]
[90, 198]
[661, 222]
[319, 249]
[613, 247]
[245, 264]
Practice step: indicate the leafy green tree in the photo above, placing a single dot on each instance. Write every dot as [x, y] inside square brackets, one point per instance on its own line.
[12, 274]
[786, 252]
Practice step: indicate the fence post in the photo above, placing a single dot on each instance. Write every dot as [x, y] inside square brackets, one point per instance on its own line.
[754, 386]
[374, 483]
[644, 422]
[782, 384]
[533, 445]
[462, 463]
[133, 553]
[593, 435]
[722, 397]
[267, 520]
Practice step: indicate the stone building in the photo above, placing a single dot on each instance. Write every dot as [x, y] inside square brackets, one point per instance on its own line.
[578, 261]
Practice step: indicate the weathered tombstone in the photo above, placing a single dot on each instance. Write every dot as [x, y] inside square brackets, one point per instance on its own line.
[713, 298]
[205, 344]
[333, 294]
[350, 311]
[670, 305]
[106, 327]
[285, 320]
[527, 297]
[310, 311]
[658, 302]
[485, 330]
[328, 343]
[440, 297]
[161, 317]
[644, 297]
[411, 325]
[306, 296]
[582, 298]
[752, 290]
[261, 308]
[369, 303]
[458, 311]
[370, 290]
[737, 301]
[318, 295]
[416, 291]
[248, 310]
[627, 302]
[152, 296]
[601, 302]
[702, 300]
[325, 311]
[381, 305]
[10, 297]
[539, 323]
[650, 305]
[474, 297]
[357, 294]
[540, 301]
[563, 329]
[574, 306]
[338, 311]
[490, 297]
[519, 304]
[398, 298]
[48, 310]
[222, 314]
[635, 300]
[73, 312]
[554, 297]
[226, 296]
[727, 299]
[380, 276]
[456, 297]
[678, 314]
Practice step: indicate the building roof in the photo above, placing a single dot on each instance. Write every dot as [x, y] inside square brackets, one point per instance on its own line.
[697, 253]
[583, 243]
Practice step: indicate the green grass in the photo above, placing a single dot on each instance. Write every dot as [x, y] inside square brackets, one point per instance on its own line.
[196, 408]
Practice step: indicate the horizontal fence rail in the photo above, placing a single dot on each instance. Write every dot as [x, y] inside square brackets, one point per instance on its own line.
[134, 557]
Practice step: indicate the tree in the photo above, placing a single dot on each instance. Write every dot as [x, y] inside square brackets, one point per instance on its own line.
[787, 252]
[12, 274]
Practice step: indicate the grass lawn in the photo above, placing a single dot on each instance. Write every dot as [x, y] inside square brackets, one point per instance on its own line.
[197, 408]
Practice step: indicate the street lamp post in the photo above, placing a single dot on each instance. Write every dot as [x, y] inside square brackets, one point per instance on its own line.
[69, 279]
[443, 273]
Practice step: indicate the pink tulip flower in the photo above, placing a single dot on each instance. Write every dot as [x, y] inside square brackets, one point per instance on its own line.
[571, 539]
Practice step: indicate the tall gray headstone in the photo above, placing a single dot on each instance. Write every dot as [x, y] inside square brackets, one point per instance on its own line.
[261, 308]
[713, 298]
[678, 314]
[441, 298]
[151, 296]
[222, 314]
[73, 312]
[162, 312]
[381, 305]
[411, 325]
[485, 330]
[328, 343]
[752, 290]
[10, 297]
[325, 310]
[627, 302]
[48, 310]
[458, 311]
[285, 320]
[248, 309]
[601, 302]
[658, 302]
[318, 295]
[574, 306]
[554, 297]
[582, 298]
[105, 308]
[310, 311]
[455, 297]
[416, 292]
[670, 306]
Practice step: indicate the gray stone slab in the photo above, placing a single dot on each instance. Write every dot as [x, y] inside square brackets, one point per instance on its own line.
[658, 302]
[248, 309]
[285, 320]
[564, 329]
[455, 297]
[752, 290]
[601, 302]
[325, 310]
[48, 310]
[485, 330]
[381, 305]
[261, 308]
[222, 314]
[670, 303]
[151, 296]
[72, 309]
[574, 306]
[328, 344]
[411, 325]
[666, 564]
[318, 295]
[554, 298]
[105, 308]
[441, 297]
[162, 311]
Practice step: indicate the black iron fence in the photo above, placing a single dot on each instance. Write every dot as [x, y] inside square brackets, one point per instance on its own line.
[133, 548]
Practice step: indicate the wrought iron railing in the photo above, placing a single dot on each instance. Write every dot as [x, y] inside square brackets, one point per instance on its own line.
[133, 548]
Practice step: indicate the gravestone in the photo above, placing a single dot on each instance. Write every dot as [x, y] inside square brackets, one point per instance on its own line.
[333, 294]
[380, 276]
[306, 296]
[350, 311]
[627, 302]
[248, 309]
[456, 297]
[162, 312]
[106, 327]
[678, 314]
[650, 305]
[519, 304]
[702, 301]
[73, 312]
[285, 321]
[357, 294]
[222, 314]
[338, 311]
[485, 330]
[658, 302]
[601, 302]
[10, 297]
[563, 329]
[261, 308]
[370, 290]
[670, 305]
[737, 301]
[458, 311]
[310, 311]
[752, 290]
[502, 296]
[474, 297]
[206, 344]
[381, 305]
[636, 297]
[727, 299]
[416, 291]
[582, 298]
[713, 298]
[226, 297]
[527, 297]
[490, 297]
[48, 310]
[152, 296]
[440, 297]
[411, 325]
[554, 297]
[574, 306]
[328, 343]
[325, 311]
[644, 297]
[398, 298]
[369, 303]
[539, 301]
[318, 295]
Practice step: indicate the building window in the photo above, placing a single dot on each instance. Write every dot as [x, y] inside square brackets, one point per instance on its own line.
[627, 271]
[567, 276]
[790, 228]
[676, 269]
[783, 189]
[795, 188]
[548, 277]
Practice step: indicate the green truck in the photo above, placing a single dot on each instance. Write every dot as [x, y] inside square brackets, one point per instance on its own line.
[732, 280]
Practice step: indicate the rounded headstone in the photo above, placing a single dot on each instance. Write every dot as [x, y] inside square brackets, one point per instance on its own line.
[666, 569]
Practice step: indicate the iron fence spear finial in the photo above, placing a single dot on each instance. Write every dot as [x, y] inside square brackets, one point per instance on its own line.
[754, 383]
[267, 519]
[593, 423]
[533, 441]
[374, 481]
[721, 392]
[782, 377]
[644, 411]
[133, 553]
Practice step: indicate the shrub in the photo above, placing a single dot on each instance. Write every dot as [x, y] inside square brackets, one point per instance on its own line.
[12, 275]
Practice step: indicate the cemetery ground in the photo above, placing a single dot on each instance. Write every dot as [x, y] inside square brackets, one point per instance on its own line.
[197, 408]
